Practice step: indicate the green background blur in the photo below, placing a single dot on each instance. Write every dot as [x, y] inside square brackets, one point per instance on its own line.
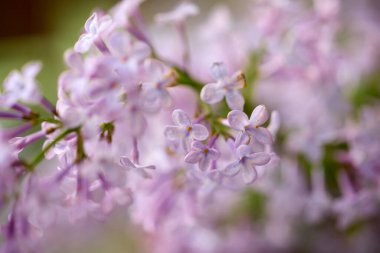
[42, 30]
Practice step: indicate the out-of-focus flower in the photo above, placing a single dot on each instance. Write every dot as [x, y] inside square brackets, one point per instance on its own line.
[22, 86]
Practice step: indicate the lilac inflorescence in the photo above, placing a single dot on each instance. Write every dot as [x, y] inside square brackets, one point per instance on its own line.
[186, 139]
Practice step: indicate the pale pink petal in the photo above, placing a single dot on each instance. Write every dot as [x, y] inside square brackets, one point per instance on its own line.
[127, 163]
[91, 23]
[262, 135]
[232, 169]
[213, 154]
[259, 116]
[235, 100]
[147, 167]
[31, 69]
[212, 93]
[104, 23]
[84, 43]
[197, 145]
[193, 157]
[180, 118]
[119, 43]
[242, 139]
[179, 14]
[73, 60]
[249, 174]
[199, 132]
[237, 120]
[243, 150]
[274, 124]
[204, 162]
[172, 133]
[259, 158]
[185, 145]
[218, 70]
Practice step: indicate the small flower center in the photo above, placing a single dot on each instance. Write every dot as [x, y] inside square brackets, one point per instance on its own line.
[205, 151]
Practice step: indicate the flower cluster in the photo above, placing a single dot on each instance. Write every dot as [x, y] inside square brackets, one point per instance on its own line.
[182, 140]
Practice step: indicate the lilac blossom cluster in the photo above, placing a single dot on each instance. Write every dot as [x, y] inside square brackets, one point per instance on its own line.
[175, 132]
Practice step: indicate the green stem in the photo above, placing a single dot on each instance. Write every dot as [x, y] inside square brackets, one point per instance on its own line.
[186, 79]
[41, 155]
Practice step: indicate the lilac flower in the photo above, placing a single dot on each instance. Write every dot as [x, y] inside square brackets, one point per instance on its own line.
[126, 163]
[225, 86]
[94, 27]
[238, 120]
[184, 131]
[202, 154]
[155, 94]
[246, 163]
[22, 86]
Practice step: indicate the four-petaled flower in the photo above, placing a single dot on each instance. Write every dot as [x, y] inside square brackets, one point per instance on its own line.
[126, 163]
[225, 85]
[202, 154]
[184, 130]
[247, 162]
[94, 26]
[250, 128]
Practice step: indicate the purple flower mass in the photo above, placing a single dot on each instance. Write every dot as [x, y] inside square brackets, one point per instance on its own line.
[256, 132]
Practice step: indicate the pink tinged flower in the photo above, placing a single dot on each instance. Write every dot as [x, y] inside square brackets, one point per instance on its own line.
[202, 154]
[94, 27]
[250, 128]
[225, 86]
[179, 14]
[184, 131]
[126, 163]
[22, 86]
[246, 164]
